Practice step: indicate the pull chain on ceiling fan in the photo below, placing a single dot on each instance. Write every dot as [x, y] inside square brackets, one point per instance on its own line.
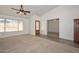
[21, 10]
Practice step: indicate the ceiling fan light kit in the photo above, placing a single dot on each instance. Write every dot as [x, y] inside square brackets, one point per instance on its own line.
[21, 13]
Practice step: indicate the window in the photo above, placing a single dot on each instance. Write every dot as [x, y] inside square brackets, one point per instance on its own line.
[20, 25]
[9, 25]
[1, 25]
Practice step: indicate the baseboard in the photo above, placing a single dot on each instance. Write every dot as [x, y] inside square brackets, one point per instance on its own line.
[13, 35]
[66, 39]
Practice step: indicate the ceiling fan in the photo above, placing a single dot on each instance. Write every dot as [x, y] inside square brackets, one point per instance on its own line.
[21, 10]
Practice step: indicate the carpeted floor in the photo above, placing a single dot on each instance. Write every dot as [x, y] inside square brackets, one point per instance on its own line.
[33, 44]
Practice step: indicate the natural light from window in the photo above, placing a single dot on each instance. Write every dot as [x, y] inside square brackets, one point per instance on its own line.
[9, 25]
[20, 26]
[1, 25]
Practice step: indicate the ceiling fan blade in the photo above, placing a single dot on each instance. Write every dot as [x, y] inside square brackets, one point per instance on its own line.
[17, 13]
[15, 9]
[27, 11]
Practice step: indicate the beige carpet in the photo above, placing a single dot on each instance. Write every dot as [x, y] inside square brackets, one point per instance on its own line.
[32, 44]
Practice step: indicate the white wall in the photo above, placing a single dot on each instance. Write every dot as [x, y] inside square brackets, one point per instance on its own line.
[25, 26]
[32, 23]
[66, 14]
[53, 26]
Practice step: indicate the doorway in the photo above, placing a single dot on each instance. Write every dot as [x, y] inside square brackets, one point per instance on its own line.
[53, 28]
[37, 27]
[76, 31]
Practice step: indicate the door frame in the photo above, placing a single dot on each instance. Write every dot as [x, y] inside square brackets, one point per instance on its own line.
[74, 30]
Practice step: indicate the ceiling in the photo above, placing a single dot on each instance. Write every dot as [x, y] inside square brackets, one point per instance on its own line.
[35, 9]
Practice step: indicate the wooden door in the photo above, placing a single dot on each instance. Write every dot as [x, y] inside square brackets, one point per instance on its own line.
[37, 27]
[76, 31]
